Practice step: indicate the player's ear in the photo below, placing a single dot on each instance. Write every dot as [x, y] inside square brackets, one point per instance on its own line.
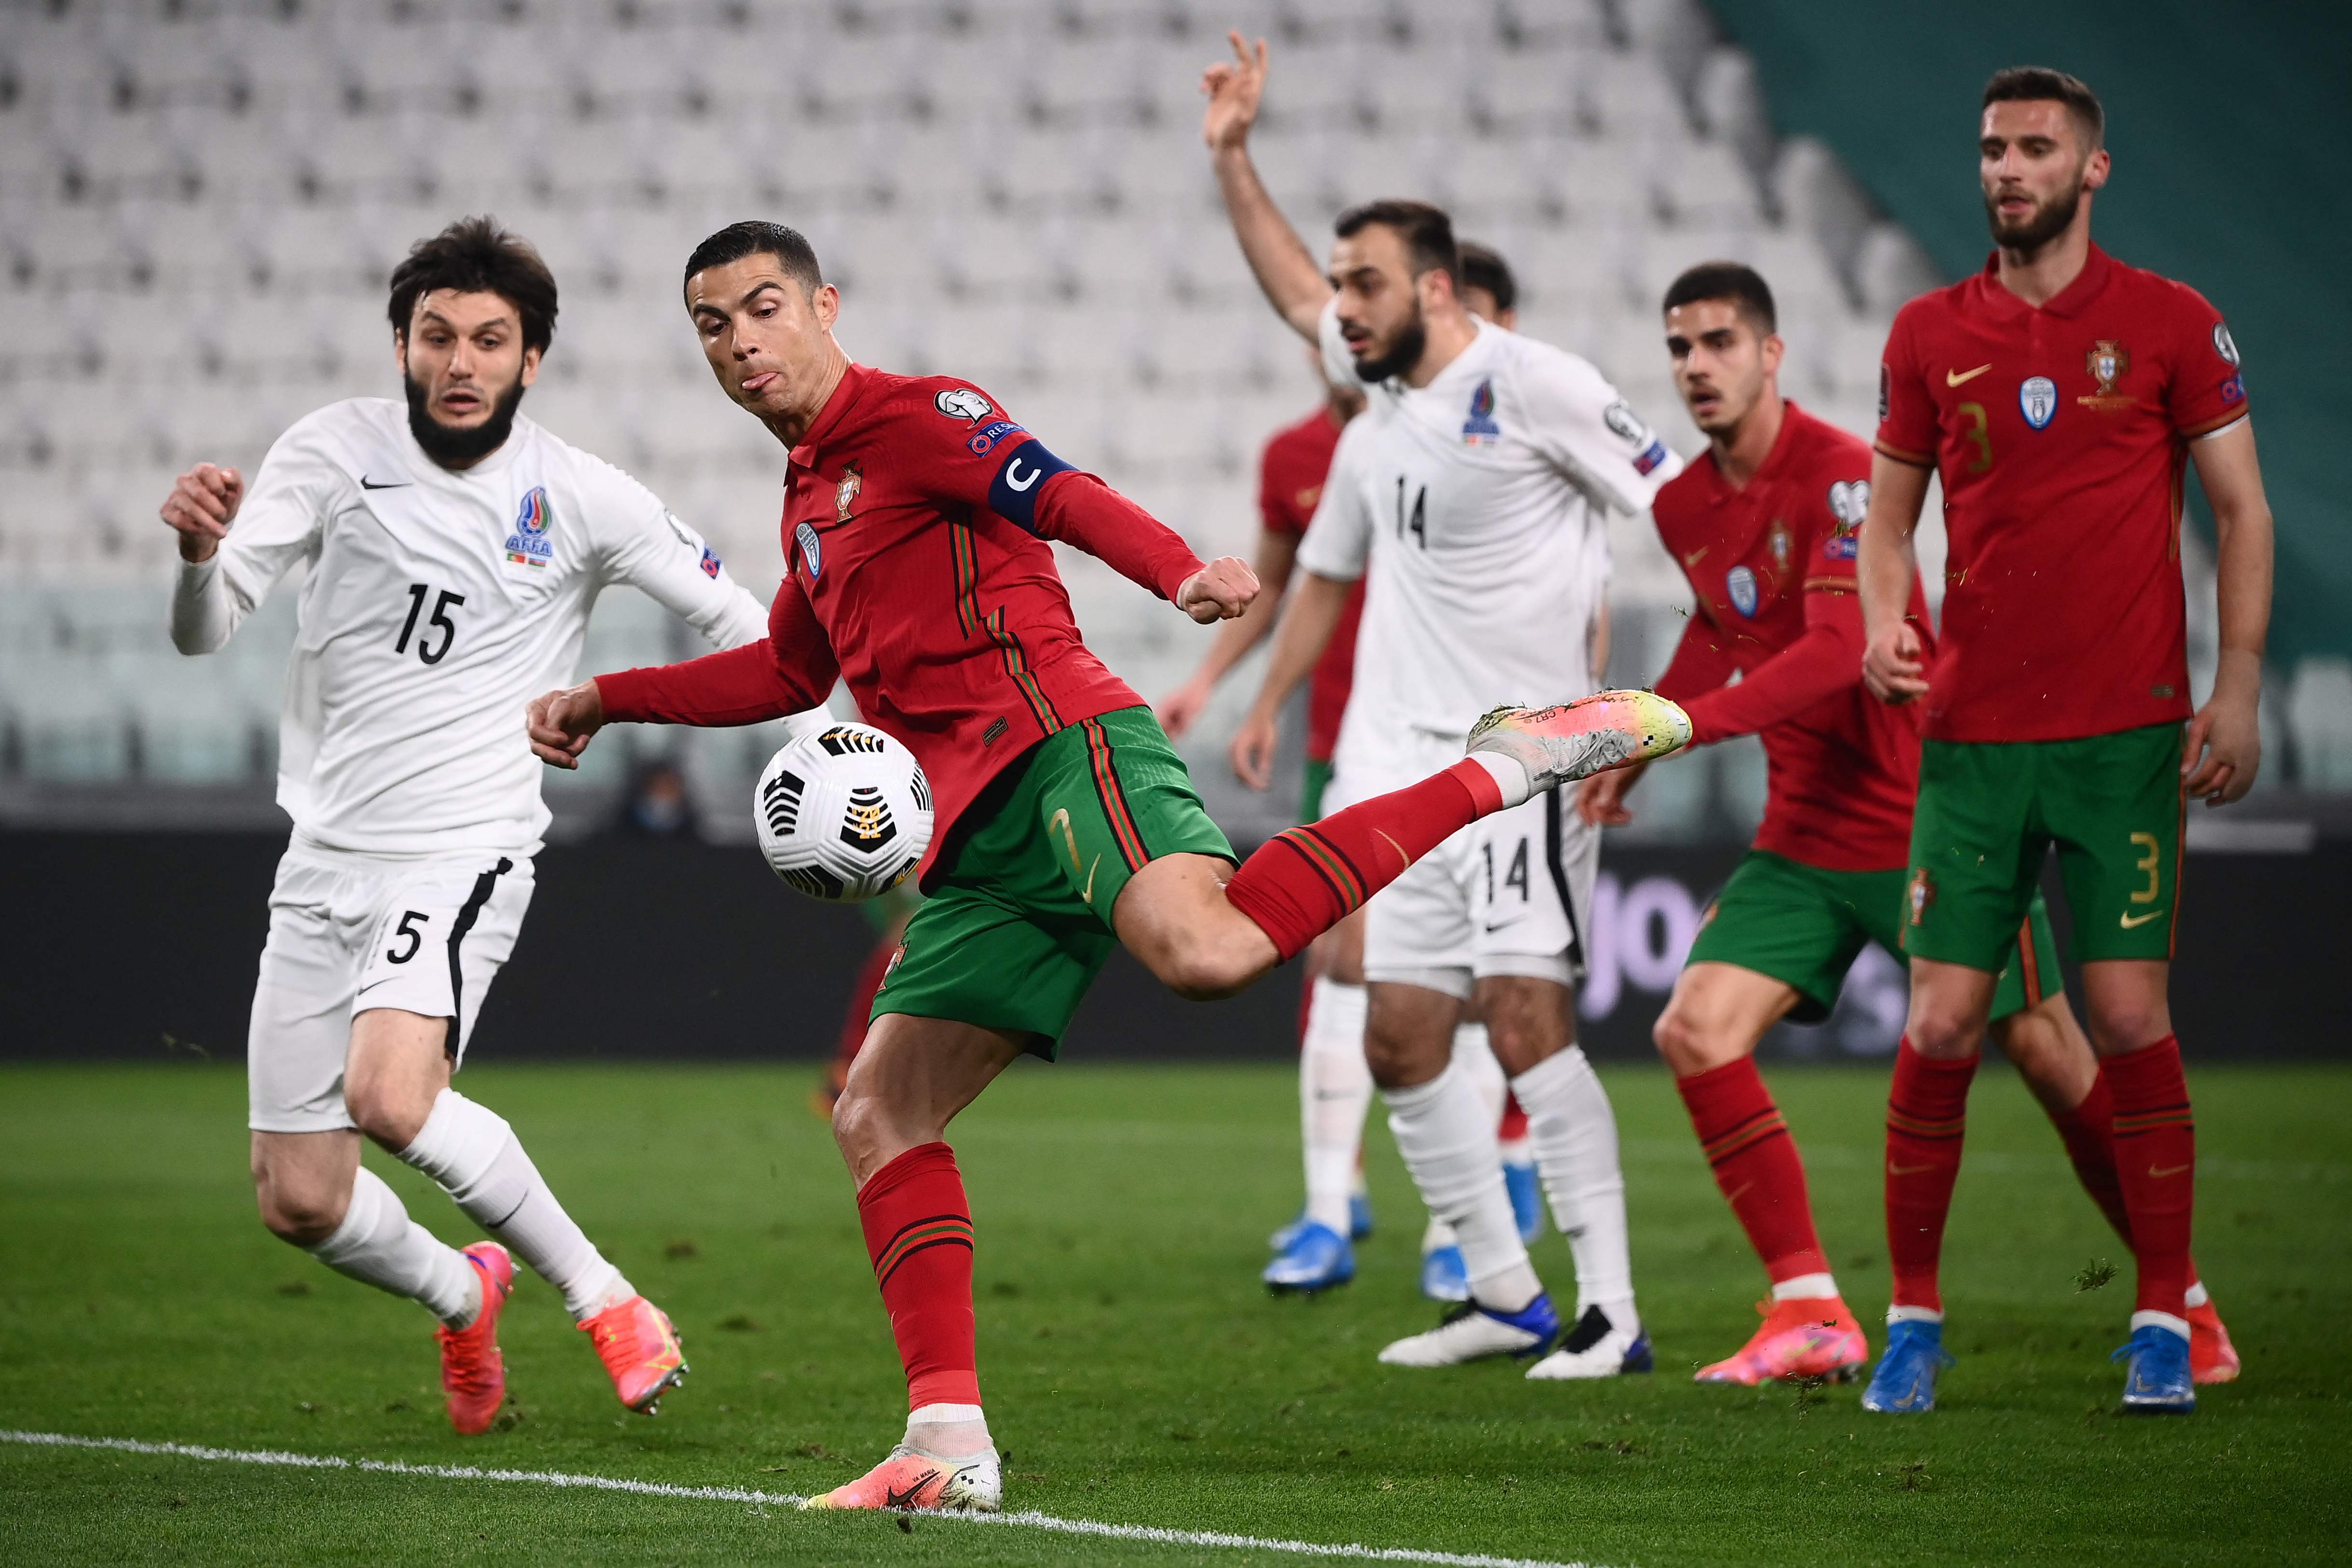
[1771, 349]
[399, 352]
[826, 302]
[2094, 170]
[531, 365]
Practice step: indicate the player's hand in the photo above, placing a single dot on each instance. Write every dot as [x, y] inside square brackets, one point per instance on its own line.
[1601, 799]
[1892, 666]
[202, 505]
[561, 724]
[2222, 749]
[1178, 709]
[1218, 590]
[1234, 87]
[1252, 749]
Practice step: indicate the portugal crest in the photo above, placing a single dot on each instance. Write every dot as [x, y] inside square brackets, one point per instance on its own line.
[2108, 361]
[1919, 896]
[845, 492]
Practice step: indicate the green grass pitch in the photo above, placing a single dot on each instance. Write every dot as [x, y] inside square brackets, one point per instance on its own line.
[1135, 1372]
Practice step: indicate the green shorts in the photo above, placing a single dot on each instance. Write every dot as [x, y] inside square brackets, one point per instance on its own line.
[1310, 797]
[1990, 811]
[1017, 923]
[1803, 926]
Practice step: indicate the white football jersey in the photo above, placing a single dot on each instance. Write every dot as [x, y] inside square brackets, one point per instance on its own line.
[438, 603]
[1477, 506]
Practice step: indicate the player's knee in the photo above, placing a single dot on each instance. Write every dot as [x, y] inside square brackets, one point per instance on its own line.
[1943, 1034]
[2126, 1023]
[386, 1113]
[299, 1216]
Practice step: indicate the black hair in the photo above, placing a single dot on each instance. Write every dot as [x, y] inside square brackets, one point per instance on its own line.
[1427, 233]
[754, 237]
[1732, 280]
[2040, 84]
[1482, 267]
[475, 255]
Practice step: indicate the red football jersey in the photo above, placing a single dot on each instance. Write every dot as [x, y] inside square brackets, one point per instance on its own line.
[916, 516]
[2061, 434]
[1290, 484]
[1772, 565]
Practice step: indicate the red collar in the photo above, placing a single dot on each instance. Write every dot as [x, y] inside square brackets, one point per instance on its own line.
[2069, 301]
[1720, 489]
[852, 383]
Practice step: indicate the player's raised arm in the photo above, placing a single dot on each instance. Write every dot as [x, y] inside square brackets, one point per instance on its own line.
[1293, 284]
[2223, 748]
[224, 575]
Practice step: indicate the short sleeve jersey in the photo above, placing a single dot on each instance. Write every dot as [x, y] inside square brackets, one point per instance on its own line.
[1298, 459]
[2061, 434]
[1842, 774]
[1475, 507]
[436, 605]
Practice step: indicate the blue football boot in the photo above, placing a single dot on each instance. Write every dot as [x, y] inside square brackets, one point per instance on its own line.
[1527, 1201]
[1318, 1259]
[1359, 1224]
[2156, 1372]
[1905, 1382]
[1442, 1276]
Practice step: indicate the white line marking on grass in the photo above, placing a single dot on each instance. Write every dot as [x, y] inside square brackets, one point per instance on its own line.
[1031, 1520]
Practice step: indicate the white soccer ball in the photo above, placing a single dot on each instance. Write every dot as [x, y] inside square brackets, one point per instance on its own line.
[843, 813]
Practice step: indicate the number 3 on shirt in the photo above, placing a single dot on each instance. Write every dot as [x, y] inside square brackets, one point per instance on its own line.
[1977, 435]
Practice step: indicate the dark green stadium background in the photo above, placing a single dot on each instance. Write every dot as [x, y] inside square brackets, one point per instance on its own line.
[2229, 126]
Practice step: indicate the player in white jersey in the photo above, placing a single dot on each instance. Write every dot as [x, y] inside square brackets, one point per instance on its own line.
[1473, 492]
[453, 552]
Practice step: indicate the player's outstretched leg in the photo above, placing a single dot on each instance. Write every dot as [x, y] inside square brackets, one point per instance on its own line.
[909, 1080]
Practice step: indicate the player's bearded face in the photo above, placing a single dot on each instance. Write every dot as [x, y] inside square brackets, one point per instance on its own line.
[2045, 220]
[1397, 350]
[455, 445]
[463, 367]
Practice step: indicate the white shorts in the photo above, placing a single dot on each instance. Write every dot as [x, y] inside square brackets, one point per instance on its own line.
[348, 934]
[1509, 895]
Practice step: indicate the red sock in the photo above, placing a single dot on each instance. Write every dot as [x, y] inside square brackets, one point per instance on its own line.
[1927, 1115]
[2088, 1131]
[1756, 1165]
[2156, 1159]
[918, 1234]
[1301, 884]
[1514, 1125]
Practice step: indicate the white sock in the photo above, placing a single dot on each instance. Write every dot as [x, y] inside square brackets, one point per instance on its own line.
[1806, 1287]
[2160, 1320]
[2197, 1296]
[476, 1157]
[1476, 1056]
[1436, 1234]
[1516, 1151]
[1915, 1315]
[1574, 1134]
[377, 1244]
[1510, 776]
[1335, 1091]
[948, 1431]
[1447, 1138]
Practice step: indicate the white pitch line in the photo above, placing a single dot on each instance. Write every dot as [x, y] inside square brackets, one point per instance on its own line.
[1031, 1520]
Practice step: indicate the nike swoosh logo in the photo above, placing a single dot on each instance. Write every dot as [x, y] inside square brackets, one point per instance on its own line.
[1954, 378]
[1908, 1170]
[1089, 893]
[1505, 926]
[1012, 476]
[368, 484]
[906, 1498]
[2168, 1170]
[1698, 555]
[2133, 922]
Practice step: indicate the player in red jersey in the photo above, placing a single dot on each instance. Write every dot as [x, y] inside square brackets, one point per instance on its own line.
[916, 516]
[2059, 394]
[1764, 528]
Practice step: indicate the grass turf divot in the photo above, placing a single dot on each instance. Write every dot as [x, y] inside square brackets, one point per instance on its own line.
[1029, 1520]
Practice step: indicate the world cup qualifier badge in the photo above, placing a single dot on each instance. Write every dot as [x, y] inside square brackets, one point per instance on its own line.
[529, 544]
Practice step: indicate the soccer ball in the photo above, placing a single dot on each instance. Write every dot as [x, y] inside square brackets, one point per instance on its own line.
[843, 814]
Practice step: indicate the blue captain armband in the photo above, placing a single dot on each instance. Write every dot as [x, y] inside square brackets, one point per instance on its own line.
[1013, 494]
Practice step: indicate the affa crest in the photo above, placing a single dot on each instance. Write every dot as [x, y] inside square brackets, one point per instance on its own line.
[529, 544]
[1480, 429]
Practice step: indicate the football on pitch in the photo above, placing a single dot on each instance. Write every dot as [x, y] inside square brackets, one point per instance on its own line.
[843, 813]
